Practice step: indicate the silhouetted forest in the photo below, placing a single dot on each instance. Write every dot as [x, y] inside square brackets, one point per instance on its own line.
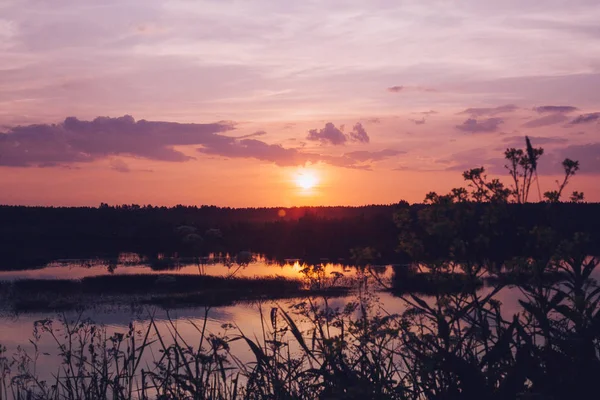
[33, 236]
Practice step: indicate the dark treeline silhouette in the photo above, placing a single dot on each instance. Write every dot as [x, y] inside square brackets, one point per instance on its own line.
[33, 236]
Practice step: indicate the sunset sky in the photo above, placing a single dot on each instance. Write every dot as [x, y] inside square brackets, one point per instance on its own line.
[288, 103]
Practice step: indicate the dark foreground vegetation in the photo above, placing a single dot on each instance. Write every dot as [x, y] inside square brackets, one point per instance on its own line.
[450, 344]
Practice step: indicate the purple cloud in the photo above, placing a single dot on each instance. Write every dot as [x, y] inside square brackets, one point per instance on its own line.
[555, 109]
[252, 148]
[332, 135]
[519, 141]
[472, 125]
[364, 156]
[490, 111]
[359, 134]
[425, 115]
[287, 157]
[395, 89]
[586, 118]
[119, 165]
[329, 134]
[418, 121]
[83, 141]
[251, 135]
[588, 156]
[546, 120]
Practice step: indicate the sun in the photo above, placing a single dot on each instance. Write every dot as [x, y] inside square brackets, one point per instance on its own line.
[306, 180]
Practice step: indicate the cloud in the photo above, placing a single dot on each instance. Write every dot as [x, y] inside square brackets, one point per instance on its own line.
[395, 89]
[588, 156]
[356, 159]
[329, 134]
[494, 166]
[332, 135]
[452, 162]
[364, 156]
[519, 141]
[425, 115]
[75, 140]
[287, 157]
[255, 134]
[418, 121]
[484, 126]
[586, 118]
[474, 158]
[252, 148]
[399, 88]
[359, 134]
[119, 165]
[546, 120]
[555, 109]
[480, 112]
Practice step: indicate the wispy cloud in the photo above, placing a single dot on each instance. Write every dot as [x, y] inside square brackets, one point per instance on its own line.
[490, 111]
[519, 141]
[251, 135]
[546, 120]
[418, 121]
[364, 156]
[555, 109]
[252, 148]
[119, 165]
[586, 154]
[286, 157]
[473, 125]
[398, 89]
[586, 118]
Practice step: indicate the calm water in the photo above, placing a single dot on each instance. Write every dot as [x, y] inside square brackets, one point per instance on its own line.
[15, 331]
[132, 264]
